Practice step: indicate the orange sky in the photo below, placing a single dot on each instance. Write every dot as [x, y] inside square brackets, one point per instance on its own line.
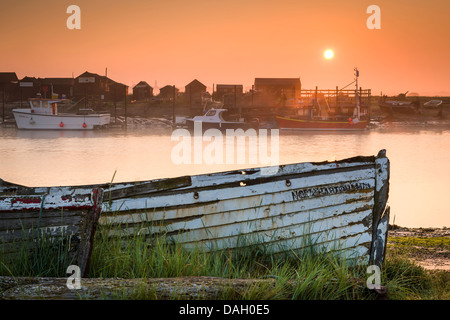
[233, 41]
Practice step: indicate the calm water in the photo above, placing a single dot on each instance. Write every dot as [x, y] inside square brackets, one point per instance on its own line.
[420, 161]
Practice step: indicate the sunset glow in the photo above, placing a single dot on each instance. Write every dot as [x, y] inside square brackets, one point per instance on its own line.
[329, 54]
[174, 42]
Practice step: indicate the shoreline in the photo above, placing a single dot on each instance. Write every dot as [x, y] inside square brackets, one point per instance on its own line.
[428, 247]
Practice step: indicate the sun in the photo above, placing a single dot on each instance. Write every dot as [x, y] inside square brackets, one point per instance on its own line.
[328, 54]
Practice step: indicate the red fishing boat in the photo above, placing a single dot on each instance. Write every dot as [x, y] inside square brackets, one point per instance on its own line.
[320, 115]
[327, 124]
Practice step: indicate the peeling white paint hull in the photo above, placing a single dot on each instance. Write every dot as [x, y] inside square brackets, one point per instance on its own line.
[332, 206]
[336, 206]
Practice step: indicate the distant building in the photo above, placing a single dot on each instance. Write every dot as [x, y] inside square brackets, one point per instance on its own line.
[48, 88]
[228, 93]
[166, 93]
[29, 87]
[61, 88]
[194, 92]
[9, 86]
[97, 87]
[142, 91]
[278, 90]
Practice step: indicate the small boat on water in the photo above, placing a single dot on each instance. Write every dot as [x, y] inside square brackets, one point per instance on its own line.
[333, 120]
[216, 119]
[68, 215]
[321, 124]
[43, 115]
[432, 104]
[395, 106]
[399, 104]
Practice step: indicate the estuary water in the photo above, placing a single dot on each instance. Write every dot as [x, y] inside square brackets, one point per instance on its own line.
[420, 160]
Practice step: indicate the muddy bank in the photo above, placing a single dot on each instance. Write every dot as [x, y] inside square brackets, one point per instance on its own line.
[428, 247]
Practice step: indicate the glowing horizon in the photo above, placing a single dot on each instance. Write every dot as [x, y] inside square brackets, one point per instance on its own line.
[174, 42]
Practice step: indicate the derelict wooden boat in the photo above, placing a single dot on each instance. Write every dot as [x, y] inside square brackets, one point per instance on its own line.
[61, 213]
[338, 206]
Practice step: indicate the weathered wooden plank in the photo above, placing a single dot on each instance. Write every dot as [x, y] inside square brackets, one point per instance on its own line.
[329, 230]
[287, 213]
[283, 227]
[52, 214]
[188, 197]
[56, 214]
[284, 171]
[326, 241]
[147, 187]
[379, 245]
[32, 234]
[88, 232]
[381, 198]
[51, 202]
[195, 288]
[241, 209]
[46, 221]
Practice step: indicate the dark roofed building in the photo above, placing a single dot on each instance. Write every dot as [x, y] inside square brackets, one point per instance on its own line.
[57, 87]
[61, 88]
[8, 77]
[228, 89]
[166, 93]
[194, 92]
[29, 87]
[99, 87]
[9, 86]
[142, 91]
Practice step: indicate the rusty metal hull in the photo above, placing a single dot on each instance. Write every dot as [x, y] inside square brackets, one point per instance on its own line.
[331, 206]
[68, 214]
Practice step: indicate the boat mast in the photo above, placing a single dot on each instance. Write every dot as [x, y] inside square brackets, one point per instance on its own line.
[356, 93]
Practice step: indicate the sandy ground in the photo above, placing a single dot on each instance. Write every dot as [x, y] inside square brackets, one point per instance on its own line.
[430, 246]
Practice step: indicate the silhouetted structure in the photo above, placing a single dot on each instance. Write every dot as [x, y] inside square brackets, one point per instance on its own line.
[142, 91]
[9, 86]
[166, 93]
[194, 92]
[97, 87]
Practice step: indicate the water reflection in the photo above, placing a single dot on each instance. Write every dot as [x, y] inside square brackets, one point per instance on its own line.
[420, 161]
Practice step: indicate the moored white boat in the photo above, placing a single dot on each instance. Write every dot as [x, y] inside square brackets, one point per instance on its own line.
[432, 104]
[43, 115]
[214, 119]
